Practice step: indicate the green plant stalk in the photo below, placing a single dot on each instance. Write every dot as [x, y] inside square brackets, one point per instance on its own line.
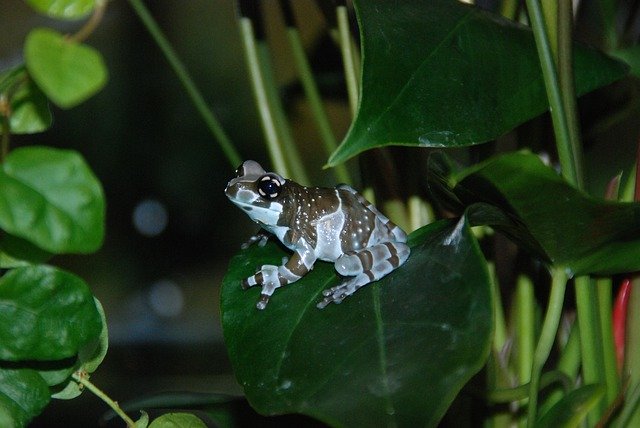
[591, 341]
[569, 364]
[420, 213]
[550, 13]
[509, 8]
[84, 381]
[500, 325]
[631, 407]
[525, 312]
[281, 124]
[348, 60]
[570, 170]
[547, 337]
[315, 101]
[632, 346]
[187, 82]
[260, 93]
[605, 305]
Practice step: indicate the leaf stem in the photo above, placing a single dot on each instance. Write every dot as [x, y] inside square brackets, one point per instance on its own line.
[92, 23]
[348, 58]
[547, 337]
[83, 379]
[187, 82]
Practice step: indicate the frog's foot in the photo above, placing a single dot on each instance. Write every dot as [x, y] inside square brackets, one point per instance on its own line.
[269, 279]
[367, 265]
[260, 238]
[338, 293]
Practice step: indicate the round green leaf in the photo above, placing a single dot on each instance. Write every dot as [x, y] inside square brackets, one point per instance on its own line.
[23, 395]
[29, 106]
[395, 353]
[63, 9]
[66, 71]
[90, 357]
[178, 420]
[51, 198]
[439, 73]
[45, 314]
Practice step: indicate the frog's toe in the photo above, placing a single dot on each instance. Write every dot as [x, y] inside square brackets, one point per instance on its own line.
[262, 303]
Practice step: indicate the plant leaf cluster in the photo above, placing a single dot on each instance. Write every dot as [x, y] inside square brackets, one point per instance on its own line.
[434, 74]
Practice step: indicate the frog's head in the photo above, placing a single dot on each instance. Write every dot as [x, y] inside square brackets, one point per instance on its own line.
[257, 192]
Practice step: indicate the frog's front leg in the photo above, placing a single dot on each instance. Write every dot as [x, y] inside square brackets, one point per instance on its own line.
[271, 277]
[367, 265]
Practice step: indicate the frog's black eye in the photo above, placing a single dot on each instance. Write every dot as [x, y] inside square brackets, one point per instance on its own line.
[240, 170]
[269, 187]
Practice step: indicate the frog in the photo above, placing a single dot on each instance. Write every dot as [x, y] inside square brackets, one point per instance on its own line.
[336, 225]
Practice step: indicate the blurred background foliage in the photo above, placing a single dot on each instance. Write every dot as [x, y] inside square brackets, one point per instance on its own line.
[170, 229]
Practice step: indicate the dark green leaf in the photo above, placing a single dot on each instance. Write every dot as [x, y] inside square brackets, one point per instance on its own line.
[631, 56]
[45, 314]
[29, 107]
[23, 395]
[573, 408]
[51, 198]
[66, 71]
[20, 252]
[395, 353]
[63, 9]
[177, 420]
[528, 201]
[443, 74]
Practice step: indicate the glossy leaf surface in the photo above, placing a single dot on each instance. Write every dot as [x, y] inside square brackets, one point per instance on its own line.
[23, 395]
[45, 314]
[395, 353]
[63, 9]
[444, 74]
[51, 198]
[528, 201]
[66, 71]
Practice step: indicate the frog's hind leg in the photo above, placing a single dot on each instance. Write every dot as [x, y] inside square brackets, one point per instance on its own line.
[367, 265]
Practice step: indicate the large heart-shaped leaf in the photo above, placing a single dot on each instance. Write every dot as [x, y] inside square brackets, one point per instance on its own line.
[23, 395]
[395, 353]
[45, 314]
[51, 198]
[67, 72]
[440, 73]
[527, 200]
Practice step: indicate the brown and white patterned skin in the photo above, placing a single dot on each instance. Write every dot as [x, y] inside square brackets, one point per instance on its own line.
[335, 225]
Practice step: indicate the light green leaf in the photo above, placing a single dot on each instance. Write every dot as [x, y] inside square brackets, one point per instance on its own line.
[45, 314]
[63, 9]
[66, 71]
[178, 420]
[51, 198]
